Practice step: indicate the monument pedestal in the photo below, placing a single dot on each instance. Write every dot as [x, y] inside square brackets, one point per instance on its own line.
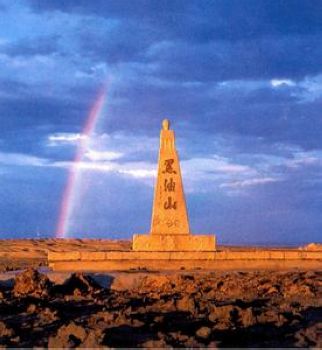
[176, 242]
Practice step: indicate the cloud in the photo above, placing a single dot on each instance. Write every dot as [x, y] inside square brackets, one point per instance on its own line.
[202, 175]
[215, 164]
[250, 19]
[138, 170]
[41, 46]
[17, 159]
[102, 155]
[304, 159]
[195, 78]
[139, 173]
[65, 138]
[310, 89]
[282, 82]
[249, 182]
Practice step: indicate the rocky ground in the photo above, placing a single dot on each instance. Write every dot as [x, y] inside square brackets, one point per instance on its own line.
[233, 309]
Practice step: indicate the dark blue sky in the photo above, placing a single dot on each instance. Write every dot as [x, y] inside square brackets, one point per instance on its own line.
[241, 82]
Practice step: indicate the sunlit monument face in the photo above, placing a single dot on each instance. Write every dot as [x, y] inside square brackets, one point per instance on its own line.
[170, 225]
[169, 214]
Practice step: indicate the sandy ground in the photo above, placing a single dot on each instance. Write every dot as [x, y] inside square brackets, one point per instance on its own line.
[17, 254]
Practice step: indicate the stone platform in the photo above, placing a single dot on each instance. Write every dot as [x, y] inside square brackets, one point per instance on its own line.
[178, 260]
[175, 242]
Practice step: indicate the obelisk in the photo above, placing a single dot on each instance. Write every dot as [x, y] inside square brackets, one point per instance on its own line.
[169, 215]
[170, 225]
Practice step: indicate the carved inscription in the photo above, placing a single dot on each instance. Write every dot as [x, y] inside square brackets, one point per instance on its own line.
[169, 184]
[169, 222]
[169, 167]
[169, 204]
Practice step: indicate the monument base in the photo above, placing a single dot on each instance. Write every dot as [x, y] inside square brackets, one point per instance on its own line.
[176, 242]
[220, 260]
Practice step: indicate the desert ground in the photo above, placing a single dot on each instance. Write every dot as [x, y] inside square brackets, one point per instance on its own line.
[40, 308]
[20, 253]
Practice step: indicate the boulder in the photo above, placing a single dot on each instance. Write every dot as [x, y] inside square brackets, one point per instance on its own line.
[309, 337]
[68, 336]
[247, 317]
[157, 283]
[5, 331]
[203, 332]
[312, 246]
[186, 303]
[32, 283]
[154, 344]
[221, 313]
[79, 284]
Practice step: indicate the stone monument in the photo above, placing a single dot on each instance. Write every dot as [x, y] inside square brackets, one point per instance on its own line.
[170, 245]
[170, 225]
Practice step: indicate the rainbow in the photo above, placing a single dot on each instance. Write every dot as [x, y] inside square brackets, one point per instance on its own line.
[68, 197]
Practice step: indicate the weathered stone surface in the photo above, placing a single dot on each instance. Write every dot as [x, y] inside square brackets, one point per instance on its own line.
[176, 260]
[203, 332]
[312, 246]
[247, 317]
[31, 282]
[5, 331]
[77, 284]
[158, 283]
[68, 336]
[155, 344]
[186, 303]
[172, 242]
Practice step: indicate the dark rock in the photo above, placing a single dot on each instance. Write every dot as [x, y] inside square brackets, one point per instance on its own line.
[221, 313]
[203, 332]
[158, 319]
[162, 311]
[47, 315]
[68, 336]
[309, 337]
[159, 283]
[247, 317]
[154, 344]
[93, 340]
[31, 308]
[5, 331]
[186, 303]
[167, 306]
[32, 283]
[299, 291]
[268, 316]
[79, 284]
